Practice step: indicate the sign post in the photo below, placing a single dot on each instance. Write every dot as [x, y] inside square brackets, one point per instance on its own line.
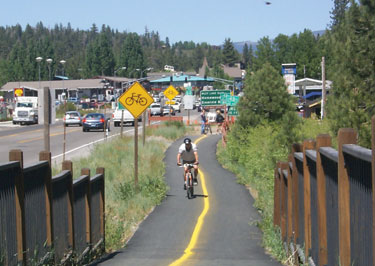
[136, 100]
[170, 93]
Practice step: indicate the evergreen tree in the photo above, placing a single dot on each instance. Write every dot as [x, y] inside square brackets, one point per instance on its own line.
[230, 56]
[352, 98]
[338, 12]
[265, 98]
[132, 55]
[265, 54]
[245, 56]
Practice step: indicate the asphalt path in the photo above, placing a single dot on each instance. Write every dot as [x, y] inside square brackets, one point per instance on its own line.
[215, 228]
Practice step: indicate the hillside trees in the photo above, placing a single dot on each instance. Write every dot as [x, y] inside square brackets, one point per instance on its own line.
[351, 102]
[132, 55]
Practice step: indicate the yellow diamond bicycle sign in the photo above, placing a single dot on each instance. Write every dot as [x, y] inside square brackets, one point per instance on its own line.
[170, 92]
[136, 99]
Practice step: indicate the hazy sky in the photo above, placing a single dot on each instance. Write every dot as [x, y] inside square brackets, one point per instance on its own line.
[208, 21]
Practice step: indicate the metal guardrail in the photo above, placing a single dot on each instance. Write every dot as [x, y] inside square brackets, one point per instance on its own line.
[47, 220]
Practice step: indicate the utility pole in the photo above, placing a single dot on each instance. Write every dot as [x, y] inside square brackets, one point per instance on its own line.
[323, 89]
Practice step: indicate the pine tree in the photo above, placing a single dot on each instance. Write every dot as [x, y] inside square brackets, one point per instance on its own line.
[245, 56]
[338, 12]
[230, 56]
[265, 98]
[351, 102]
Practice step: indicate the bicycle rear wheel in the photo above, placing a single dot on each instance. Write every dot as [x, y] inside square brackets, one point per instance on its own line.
[189, 186]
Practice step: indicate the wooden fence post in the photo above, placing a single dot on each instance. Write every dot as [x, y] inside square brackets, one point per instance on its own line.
[276, 197]
[17, 155]
[284, 201]
[86, 171]
[101, 170]
[345, 136]
[373, 184]
[68, 165]
[296, 147]
[290, 202]
[46, 156]
[307, 145]
[322, 140]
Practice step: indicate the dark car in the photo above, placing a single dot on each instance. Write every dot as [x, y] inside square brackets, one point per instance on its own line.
[95, 121]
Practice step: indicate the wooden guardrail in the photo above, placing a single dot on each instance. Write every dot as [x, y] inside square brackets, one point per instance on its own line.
[49, 220]
[324, 201]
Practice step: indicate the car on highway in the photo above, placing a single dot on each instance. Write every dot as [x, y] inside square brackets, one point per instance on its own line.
[95, 121]
[156, 109]
[167, 110]
[177, 106]
[72, 118]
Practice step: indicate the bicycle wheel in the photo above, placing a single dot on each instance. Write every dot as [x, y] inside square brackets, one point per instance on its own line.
[129, 101]
[142, 101]
[189, 185]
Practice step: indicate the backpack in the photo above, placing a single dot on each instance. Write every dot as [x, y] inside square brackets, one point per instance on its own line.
[219, 118]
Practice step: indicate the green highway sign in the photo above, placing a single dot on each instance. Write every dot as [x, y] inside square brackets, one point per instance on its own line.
[189, 90]
[233, 111]
[227, 99]
[212, 98]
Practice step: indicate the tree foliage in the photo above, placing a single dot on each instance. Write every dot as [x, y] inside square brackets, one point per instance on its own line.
[351, 68]
[265, 98]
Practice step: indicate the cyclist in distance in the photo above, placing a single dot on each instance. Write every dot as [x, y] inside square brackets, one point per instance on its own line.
[188, 152]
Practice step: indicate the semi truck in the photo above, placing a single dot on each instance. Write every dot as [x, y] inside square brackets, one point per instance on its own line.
[26, 110]
[128, 117]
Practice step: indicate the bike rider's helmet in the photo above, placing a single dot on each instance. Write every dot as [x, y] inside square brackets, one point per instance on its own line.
[187, 142]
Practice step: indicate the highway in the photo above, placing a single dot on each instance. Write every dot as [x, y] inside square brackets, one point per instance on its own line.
[29, 139]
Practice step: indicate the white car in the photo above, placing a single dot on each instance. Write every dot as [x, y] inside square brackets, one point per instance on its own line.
[72, 118]
[156, 109]
[211, 117]
[177, 106]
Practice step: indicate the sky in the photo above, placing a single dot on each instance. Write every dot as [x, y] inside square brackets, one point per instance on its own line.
[210, 21]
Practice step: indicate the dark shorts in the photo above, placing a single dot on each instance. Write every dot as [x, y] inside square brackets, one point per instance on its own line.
[183, 161]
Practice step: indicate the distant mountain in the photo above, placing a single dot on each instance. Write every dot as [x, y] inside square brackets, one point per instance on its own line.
[239, 45]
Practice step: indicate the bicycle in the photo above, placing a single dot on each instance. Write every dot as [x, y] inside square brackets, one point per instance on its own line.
[207, 127]
[136, 98]
[189, 178]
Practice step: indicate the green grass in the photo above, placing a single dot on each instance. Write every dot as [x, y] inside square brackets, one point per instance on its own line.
[252, 155]
[126, 206]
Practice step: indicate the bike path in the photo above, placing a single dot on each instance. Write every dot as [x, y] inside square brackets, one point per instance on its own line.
[228, 235]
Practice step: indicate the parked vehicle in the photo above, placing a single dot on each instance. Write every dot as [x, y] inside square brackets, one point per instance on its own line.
[73, 100]
[95, 121]
[177, 106]
[156, 109]
[128, 117]
[167, 110]
[72, 118]
[26, 111]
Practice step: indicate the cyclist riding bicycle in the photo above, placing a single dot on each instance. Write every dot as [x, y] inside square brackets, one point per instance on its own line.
[188, 152]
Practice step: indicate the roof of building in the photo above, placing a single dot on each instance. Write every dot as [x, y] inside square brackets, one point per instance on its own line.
[311, 82]
[312, 94]
[233, 72]
[181, 78]
[55, 84]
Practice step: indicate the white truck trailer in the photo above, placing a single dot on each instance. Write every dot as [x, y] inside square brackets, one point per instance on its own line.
[26, 110]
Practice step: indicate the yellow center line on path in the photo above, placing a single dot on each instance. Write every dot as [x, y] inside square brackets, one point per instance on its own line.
[51, 135]
[188, 251]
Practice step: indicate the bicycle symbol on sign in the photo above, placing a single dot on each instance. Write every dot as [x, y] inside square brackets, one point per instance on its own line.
[170, 92]
[136, 98]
